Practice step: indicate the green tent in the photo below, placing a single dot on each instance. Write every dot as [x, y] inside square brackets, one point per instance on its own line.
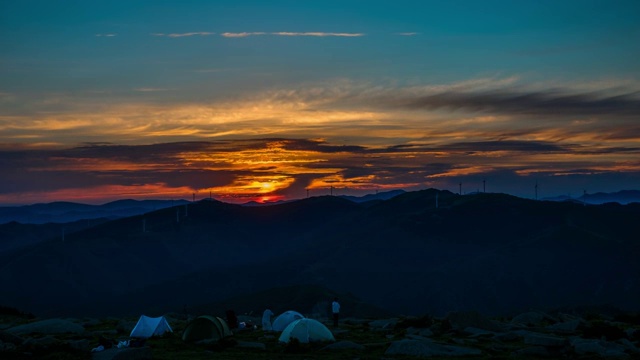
[207, 328]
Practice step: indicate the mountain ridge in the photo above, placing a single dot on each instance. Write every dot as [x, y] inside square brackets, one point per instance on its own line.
[427, 251]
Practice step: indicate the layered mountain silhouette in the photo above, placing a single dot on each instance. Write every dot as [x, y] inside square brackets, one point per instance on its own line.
[64, 212]
[419, 252]
[621, 197]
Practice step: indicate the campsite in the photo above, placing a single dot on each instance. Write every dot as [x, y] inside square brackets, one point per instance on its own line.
[530, 335]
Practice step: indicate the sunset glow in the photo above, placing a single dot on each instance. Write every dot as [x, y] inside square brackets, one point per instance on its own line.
[247, 104]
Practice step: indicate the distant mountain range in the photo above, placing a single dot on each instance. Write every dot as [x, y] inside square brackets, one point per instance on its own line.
[493, 253]
[620, 197]
[65, 212]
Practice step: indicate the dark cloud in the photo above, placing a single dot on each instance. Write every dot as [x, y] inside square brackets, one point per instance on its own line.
[410, 166]
[505, 145]
[518, 102]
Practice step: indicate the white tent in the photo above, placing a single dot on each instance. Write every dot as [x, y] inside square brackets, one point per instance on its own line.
[285, 319]
[148, 327]
[306, 331]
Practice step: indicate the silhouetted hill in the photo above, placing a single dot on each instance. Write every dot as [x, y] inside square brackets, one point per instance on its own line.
[492, 253]
[621, 197]
[65, 212]
[14, 235]
[385, 195]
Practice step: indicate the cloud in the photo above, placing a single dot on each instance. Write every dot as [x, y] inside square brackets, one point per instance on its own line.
[549, 103]
[291, 34]
[318, 34]
[106, 35]
[249, 169]
[179, 35]
[149, 89]
[407, 33]
[241, 34]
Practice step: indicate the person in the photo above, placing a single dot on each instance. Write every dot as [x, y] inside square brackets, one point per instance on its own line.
[232, 319]
[335, 309]
[266, 320]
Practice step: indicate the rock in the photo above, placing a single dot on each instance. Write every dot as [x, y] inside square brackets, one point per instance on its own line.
[509, 336]
[461, 320]
[428, 349]
[533, 351]
[419, 331]
[629, 346]
[82, 344]
[7, 337]
[417, 337]
[51, 326]
[545, 340]
[251, 345]
[142, 353]
[339, 331]
[7, 346]
[43, 342]
[600, 347]
[344, 345]
[532, 318]
[564, 327]
[476, 332]
[387, 324]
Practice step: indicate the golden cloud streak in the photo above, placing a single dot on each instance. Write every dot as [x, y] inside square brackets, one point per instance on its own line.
[100, 194]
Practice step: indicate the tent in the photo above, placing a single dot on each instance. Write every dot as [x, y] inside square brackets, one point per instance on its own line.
[206, 327]
[149, 326]
[285, 319]
[306, 331]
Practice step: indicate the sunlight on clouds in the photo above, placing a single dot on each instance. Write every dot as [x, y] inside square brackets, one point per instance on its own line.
[462, 171]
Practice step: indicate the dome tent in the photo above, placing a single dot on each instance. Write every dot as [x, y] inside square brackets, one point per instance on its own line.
[284, 319]
[306, 331]
[206, 327]
[149, 326]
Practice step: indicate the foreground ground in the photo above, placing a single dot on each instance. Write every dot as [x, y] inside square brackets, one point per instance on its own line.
[459, 335]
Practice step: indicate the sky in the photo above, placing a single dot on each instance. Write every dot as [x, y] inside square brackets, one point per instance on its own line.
[276, 100]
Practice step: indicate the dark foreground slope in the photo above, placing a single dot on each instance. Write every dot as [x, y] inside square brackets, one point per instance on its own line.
[487, 252]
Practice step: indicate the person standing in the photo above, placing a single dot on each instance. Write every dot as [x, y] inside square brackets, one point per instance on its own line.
[335, 309]
[266, 320]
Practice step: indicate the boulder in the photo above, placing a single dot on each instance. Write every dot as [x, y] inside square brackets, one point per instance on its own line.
[532, 318]
[386, 324]
[7, 337]
[48, 327]
[428, 349]
[476, 332]
[7, 346]
[81, 344]
[42, 342]
[545, 340]
[461, 320]
[417, 337]
[566, 327]
[599, 347]
[629, 346]
[508, 336]
[419, 332]
[533, 351]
